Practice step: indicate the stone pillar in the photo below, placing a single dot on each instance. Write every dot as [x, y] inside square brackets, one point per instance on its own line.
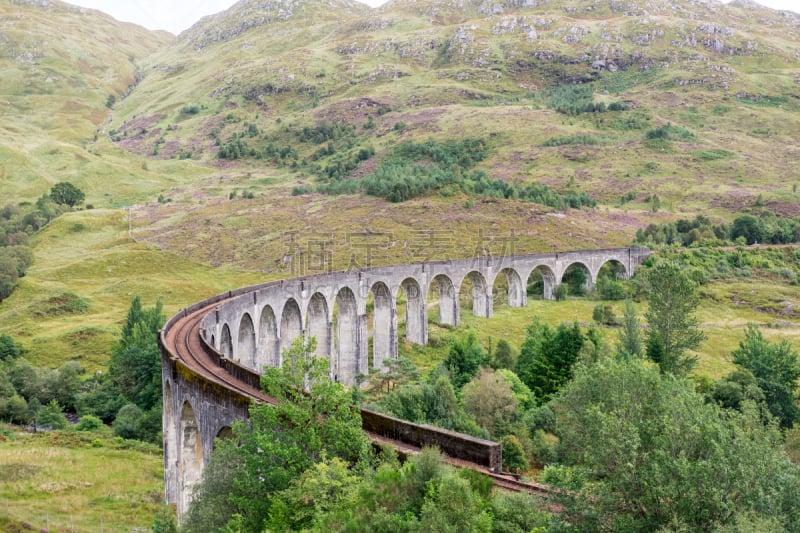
[416, 318]
[393, 340]
[481, 300]
[362, 345]
[448, 303]
[382, 332]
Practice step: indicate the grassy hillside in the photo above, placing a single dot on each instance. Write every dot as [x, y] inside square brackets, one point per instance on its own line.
[722, 76]
[704, 117]
[718, 79]
[61, 65]
[73, 301]
[61, 482]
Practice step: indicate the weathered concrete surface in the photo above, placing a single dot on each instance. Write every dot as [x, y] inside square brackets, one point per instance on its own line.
[259, 324]
[249, 327]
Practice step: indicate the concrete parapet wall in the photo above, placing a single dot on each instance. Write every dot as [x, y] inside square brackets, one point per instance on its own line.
[466, 447]
[242, 331]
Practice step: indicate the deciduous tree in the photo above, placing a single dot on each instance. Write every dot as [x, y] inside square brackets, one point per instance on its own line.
[776, 369]
[65, 193]
[671, 318]
[630, 340]
[660, 456]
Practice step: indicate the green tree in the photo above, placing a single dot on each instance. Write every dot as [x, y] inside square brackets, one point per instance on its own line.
[504, 356]
[749, 227]
[22, 257]
[521, 392]
[8, 276]
[431, 402]
[165, 521]
[451, 506]
[212, 503]
[629, 340]
[576, 278]
[99, 396]
[52, 416]
[89, 423]
[604, 314]
[8, 348]
[776, 369]
[65, 193]
[135, 366]
[16, 410]
[671, 318]
[318, 491]
[464, 359]
[658, 455]
[560, 292]
[735, 388]
[126, 423]
[62, 384]
[517, 513]
[513, 454]
[314, 419]
[489, 399]
[546, 357]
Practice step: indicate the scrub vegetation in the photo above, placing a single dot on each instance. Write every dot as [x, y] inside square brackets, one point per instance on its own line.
[140, 173]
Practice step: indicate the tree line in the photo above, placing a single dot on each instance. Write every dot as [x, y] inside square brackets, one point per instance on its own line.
[127, 397]
[19, 222]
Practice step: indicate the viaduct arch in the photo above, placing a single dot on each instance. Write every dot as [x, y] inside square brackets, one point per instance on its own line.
[214, 351]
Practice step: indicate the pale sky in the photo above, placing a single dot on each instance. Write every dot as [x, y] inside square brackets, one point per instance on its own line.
[178, 15]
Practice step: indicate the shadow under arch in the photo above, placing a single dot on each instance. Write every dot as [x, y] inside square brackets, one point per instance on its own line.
[578, 278]
[224, 433]
[291, 326]
[416, 312]
[225, 342]
[541, 282]
[508, 288]
[475, 290]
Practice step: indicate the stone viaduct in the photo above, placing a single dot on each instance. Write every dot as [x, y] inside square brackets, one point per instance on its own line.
[354, 317]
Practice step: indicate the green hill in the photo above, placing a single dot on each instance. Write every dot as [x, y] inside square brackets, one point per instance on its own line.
[253, 137]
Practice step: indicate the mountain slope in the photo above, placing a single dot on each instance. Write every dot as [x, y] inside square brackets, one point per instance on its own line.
[60, 66]
[256, 79]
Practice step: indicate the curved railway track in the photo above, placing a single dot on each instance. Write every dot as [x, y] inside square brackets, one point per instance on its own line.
[182, 338]
[186, 342]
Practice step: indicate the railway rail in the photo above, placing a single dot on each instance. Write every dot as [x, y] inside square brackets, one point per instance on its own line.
[183, 340]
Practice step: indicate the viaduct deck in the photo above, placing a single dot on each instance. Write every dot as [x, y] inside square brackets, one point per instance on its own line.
[212, 351]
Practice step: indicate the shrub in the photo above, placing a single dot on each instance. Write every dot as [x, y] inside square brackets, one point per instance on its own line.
[560, 292]
[51, 416]
[190, 109]
[604, 314]
[513, 455]
[127, 421]
[89, 423]
[8, 348]
[542, 448]
[574, 139]
[713, 154]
